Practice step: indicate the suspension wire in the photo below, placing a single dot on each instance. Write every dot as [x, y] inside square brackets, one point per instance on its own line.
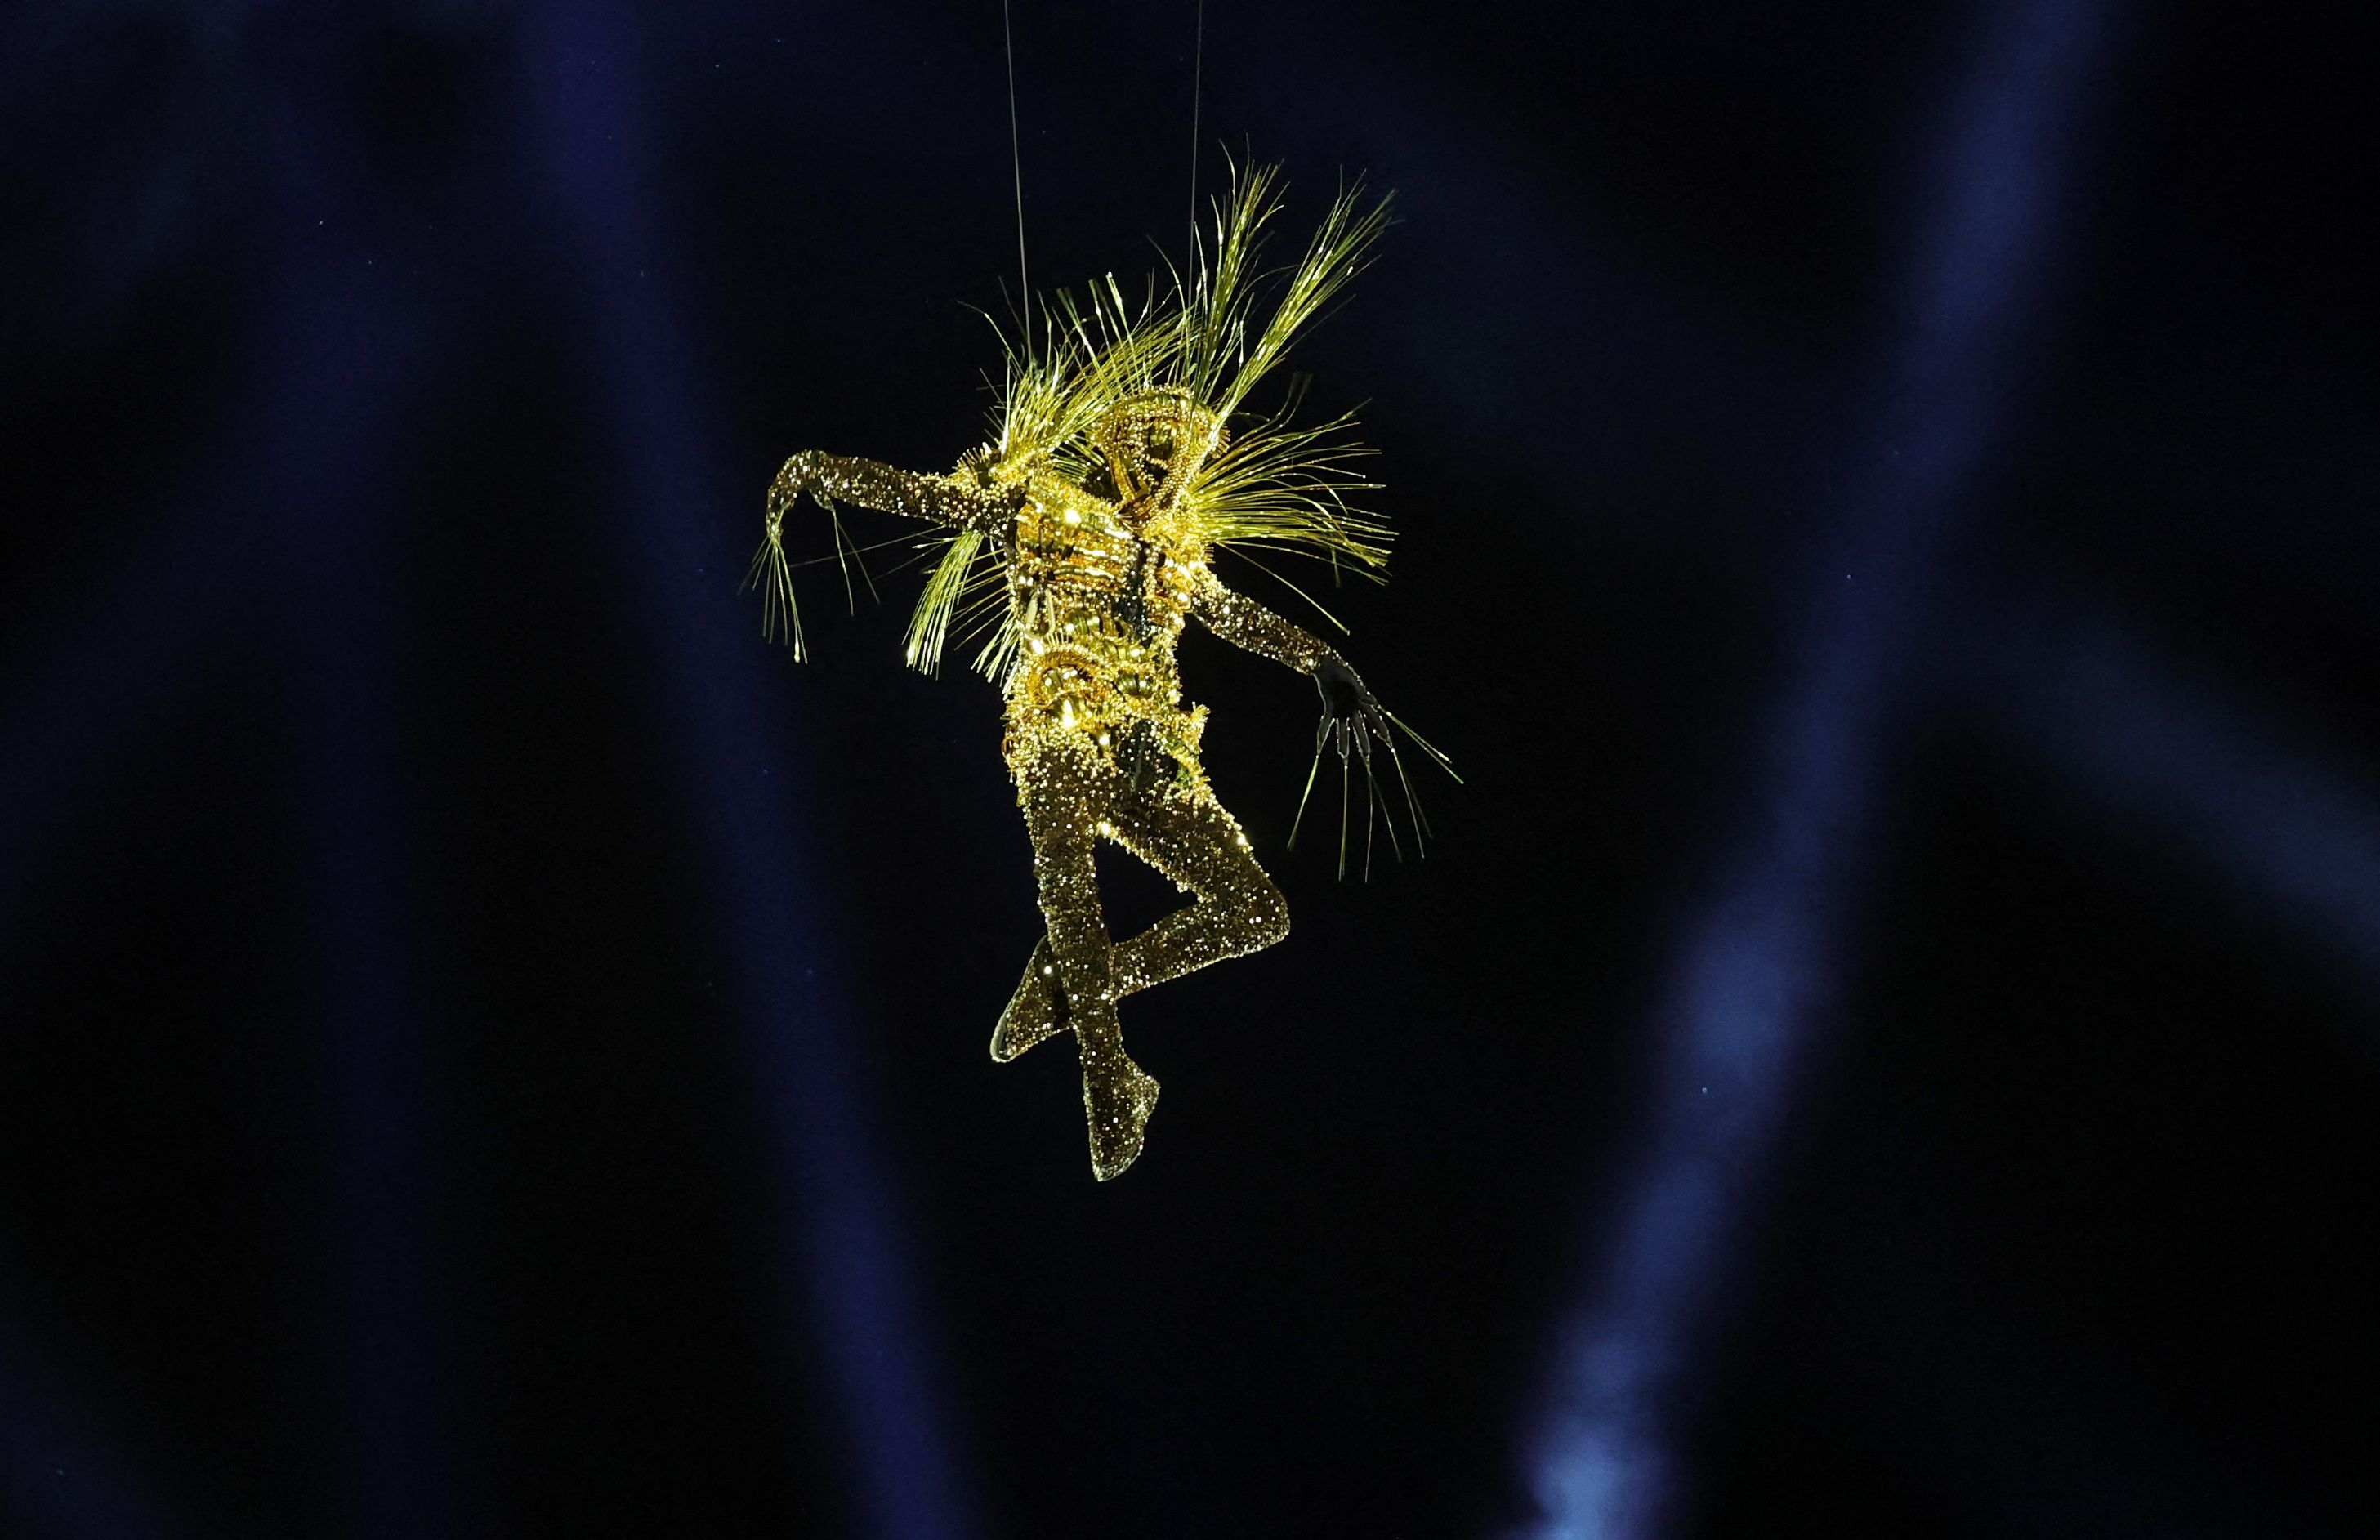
[1016, 165]
[1016, 154]
[1197, 72]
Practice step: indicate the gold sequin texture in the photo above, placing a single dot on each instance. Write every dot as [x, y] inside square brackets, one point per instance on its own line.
[1076, 544]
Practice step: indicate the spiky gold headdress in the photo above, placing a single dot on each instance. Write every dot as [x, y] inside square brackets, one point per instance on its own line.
[1081, 371]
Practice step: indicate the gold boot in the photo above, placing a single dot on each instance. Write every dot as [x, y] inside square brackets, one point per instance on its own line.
[1118, 1096]
[1036, 1012]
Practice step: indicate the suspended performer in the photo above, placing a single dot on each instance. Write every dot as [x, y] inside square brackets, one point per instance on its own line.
[1080, 541]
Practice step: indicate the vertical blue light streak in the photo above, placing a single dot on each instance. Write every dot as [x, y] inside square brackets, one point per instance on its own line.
[340, 349]
[1755, 970]
[843, 1256]
[355, 884]
[288, 517]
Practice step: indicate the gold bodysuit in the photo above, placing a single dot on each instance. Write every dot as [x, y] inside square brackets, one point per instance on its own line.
[1101, 747]
[1086, 528]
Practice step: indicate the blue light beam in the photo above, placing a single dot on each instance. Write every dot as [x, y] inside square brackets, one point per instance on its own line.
[1754, 974]
[277, 527]
[2161, 757]
[845, 1260]
[342, 344]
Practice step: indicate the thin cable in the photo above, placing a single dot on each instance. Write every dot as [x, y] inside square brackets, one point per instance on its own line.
[1016, 165]
[1197, 70]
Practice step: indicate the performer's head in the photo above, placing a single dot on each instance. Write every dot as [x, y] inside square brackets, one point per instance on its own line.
[1154, 442]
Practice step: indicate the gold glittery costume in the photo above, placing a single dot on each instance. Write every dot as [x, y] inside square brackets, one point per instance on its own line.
[1080, 540]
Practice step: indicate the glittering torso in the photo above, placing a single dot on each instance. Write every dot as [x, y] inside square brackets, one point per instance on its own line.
[1099, 597]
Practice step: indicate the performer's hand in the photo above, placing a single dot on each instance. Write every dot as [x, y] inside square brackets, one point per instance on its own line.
[1343, 691]
[1350, 713]
[1353, 721]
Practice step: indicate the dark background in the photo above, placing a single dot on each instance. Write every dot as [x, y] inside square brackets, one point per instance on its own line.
[487, 1047]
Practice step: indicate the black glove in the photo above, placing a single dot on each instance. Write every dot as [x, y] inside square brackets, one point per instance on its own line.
[1351, 718]
[1343, 691]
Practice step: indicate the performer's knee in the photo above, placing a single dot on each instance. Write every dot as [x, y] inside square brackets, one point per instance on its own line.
[1267, 915]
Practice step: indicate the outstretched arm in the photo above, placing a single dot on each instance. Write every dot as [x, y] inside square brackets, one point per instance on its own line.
[958, 498]
[1243, 623]
[965, 498]
[1353, 718]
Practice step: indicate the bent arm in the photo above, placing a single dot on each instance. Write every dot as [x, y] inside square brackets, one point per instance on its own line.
[888, 488]
[1245, 624]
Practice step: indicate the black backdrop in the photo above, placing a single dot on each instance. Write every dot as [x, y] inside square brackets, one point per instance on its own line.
[386, 1147]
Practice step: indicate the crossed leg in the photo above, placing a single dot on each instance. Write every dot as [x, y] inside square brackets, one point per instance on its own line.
[1188, 837]
[1069, 790]
[1234, 908]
